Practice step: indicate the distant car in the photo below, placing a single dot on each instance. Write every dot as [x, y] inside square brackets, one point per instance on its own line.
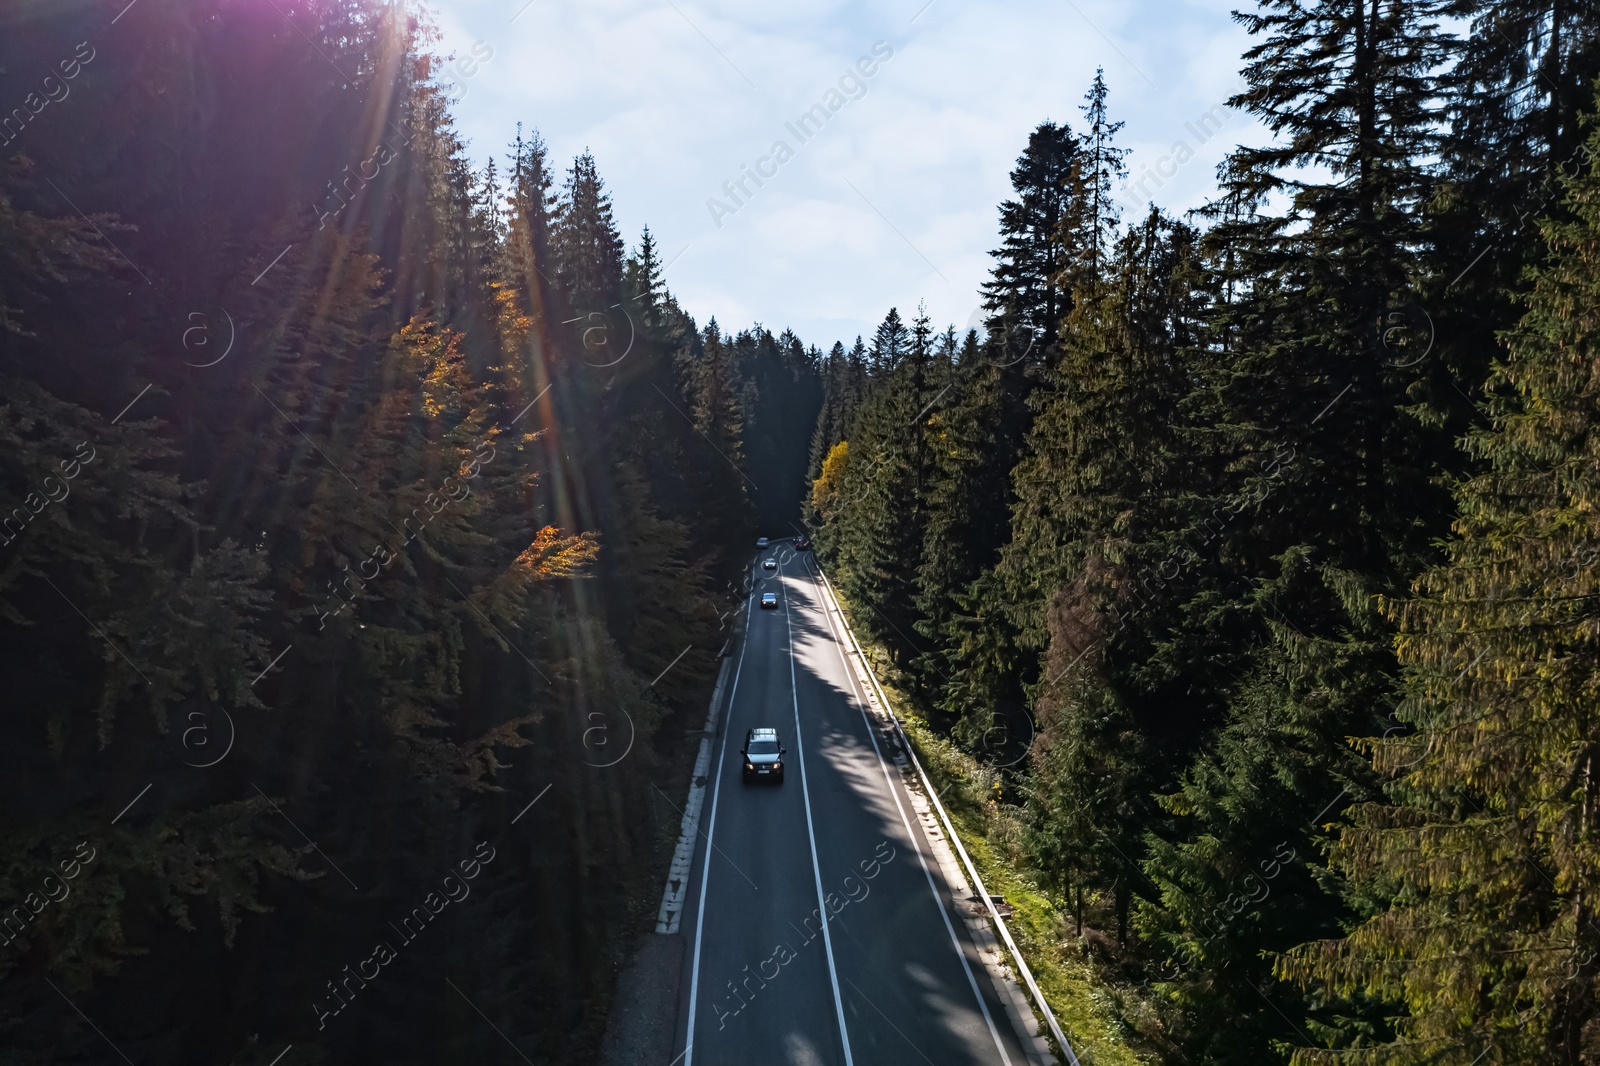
[762, 542]
[801, 543]
[769, 599]
[763, 755]
[770, 564]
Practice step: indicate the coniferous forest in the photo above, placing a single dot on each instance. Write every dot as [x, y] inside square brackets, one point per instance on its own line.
[355, 498]
[1273, 530]
[372, 521]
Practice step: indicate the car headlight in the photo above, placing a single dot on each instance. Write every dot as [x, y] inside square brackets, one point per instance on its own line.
[749, 766]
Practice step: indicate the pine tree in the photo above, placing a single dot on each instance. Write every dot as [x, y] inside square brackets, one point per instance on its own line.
[1308, 498]
[1096, 499]
[1483, 852]
[881, 520]
[1089, 212]
[583, 237]
[398, 365]
[856, 376]
[490, 221]
[643, 282]
[889, 345]
[1024, 297]
[829, 430]
[1513, 101]
[717, 386]
[1029, 295]
[529, 203]
[1072, 441]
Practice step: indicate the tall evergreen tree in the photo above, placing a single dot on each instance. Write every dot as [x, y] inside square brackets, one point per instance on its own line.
[830, 418]
[584, 240]
[1090, 213]
[1024, 297]
[643, 282]
[881, 521]
[1312, 498]
[1096, 501]
[1483, 850]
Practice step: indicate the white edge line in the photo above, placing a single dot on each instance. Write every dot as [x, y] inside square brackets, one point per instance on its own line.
[816, 869]
[977, 883]
[689, 834]
[281, 1054]
[861, 705]
[711, 828]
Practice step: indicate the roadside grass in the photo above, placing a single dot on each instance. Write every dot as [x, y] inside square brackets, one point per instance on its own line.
[1103, 1021]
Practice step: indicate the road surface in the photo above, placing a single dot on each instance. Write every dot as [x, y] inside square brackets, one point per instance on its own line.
[891, 977]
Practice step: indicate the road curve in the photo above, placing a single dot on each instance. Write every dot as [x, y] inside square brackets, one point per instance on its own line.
[891, 976]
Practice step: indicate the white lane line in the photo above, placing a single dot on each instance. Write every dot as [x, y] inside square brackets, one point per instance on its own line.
[711, 828]
[883, 764]
[816, 870]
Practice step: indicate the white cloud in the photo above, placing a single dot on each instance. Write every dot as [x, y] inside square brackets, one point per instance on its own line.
[651, 87]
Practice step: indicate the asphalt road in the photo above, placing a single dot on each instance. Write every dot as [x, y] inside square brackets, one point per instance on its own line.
[891, 976]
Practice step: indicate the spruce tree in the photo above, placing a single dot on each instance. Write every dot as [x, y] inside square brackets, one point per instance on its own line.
[830, 417]
[1310, 497]
[643, 282]
[983, 422]
[1024, 298]
[584, 239]
[881, 521]
[1096, 501]
[1068, 415]
[1482, 850]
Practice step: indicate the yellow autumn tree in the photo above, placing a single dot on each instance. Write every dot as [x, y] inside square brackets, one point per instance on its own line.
[826, 489]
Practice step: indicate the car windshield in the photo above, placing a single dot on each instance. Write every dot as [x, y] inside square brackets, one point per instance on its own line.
[763, 747]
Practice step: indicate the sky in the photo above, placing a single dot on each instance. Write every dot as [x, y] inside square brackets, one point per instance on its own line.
[891, 200]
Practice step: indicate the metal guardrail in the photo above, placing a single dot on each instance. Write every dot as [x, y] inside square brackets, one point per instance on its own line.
[950, 830]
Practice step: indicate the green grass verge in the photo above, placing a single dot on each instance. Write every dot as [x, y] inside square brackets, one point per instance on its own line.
[1102, 1021]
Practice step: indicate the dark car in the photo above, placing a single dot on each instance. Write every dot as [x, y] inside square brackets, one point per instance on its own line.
[801, 543]
[763, 755]
[769, 599]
